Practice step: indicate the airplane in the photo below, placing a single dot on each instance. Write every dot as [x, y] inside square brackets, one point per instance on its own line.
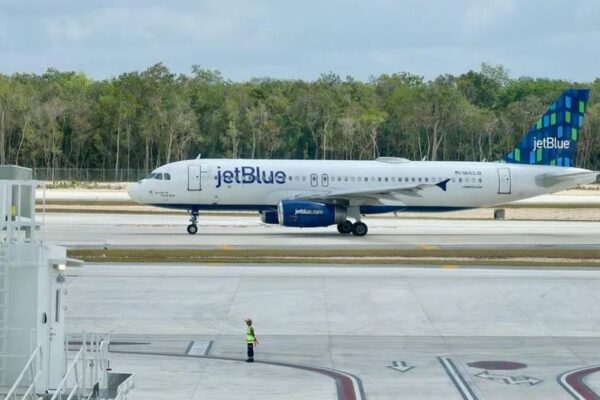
[321, 193]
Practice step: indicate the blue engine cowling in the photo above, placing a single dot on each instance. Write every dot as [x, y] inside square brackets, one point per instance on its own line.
[269, 217]
[309, 214]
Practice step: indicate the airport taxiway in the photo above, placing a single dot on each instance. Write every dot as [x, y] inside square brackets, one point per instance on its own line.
[96, 230]
[339, 332]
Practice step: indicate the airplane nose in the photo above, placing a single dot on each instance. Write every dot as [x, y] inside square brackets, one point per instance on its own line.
[134, 192]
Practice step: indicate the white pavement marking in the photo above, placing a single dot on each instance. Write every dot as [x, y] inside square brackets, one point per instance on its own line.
[509, 380]
[199, 347]
[461, 385]
[574, 382]
[401, 366]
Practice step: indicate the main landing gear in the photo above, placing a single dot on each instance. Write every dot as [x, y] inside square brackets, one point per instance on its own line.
[345, 227]
[192, 228]
[357, 229]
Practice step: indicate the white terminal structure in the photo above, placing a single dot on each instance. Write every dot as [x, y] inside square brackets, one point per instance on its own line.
[35, 361]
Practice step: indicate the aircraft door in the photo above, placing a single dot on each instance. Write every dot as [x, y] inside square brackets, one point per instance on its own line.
[504, 181]
[324, 180]
[314, 180]
[194, 179]
[55, 320]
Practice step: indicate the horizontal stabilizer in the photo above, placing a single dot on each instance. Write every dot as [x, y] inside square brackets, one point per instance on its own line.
[549, 180]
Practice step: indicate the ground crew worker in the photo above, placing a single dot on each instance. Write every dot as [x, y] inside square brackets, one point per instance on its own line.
[251, 340]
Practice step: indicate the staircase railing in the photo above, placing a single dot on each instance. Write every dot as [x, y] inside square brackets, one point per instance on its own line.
[125, 387]
[31, 372]
[88, 367]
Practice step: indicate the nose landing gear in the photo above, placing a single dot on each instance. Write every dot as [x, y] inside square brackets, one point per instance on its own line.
[192, 228]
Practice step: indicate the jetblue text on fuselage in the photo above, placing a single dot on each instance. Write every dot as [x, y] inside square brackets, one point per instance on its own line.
[247, 175]
[551, 143]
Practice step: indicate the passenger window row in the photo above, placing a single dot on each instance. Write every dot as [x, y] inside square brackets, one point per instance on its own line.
[468, 180]
[385, 179]
[393, 179]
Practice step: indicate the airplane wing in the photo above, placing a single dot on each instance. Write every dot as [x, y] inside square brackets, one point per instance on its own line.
[371, 193]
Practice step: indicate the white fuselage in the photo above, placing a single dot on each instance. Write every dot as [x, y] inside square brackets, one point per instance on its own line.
[261, 184]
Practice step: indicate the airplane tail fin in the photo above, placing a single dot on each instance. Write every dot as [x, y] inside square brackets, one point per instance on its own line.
[552, 140]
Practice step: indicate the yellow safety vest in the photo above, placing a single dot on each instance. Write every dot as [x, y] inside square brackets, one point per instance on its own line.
[249, 335]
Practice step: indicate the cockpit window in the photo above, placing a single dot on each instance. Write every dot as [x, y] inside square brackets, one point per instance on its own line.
[159, 176]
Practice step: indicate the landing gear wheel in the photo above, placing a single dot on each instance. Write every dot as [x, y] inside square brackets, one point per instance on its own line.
[359, 229]
[345, 227]
[193, 227]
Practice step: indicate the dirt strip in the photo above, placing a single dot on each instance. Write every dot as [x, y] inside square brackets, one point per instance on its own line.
[447, 257]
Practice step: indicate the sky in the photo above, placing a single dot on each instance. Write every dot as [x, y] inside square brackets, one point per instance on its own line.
[302, 39]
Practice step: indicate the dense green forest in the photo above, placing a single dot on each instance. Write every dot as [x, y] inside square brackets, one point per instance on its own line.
[145, 119]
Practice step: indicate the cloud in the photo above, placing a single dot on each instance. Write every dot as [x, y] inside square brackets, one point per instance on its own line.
[487, 15]
[291, 39]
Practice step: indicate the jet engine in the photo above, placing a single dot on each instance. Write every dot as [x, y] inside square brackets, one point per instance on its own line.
[309, 214]
[269, 217]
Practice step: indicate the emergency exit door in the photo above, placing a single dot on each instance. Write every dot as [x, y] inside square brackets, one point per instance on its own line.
[194, 177]
[324, 180]
[504, 181]
[314, 180]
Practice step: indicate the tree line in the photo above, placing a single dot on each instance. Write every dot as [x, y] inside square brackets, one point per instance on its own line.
[145, 119]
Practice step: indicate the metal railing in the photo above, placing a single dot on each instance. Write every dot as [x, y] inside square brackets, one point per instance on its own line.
[125, 387]
[31, 372]
[18, 222]
[26, 254]
[88, 367]
[88, 174]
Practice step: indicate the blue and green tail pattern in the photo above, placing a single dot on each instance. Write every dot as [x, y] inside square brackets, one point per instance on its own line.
[552, 140]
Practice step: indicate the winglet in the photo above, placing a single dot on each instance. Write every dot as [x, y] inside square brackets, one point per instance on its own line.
[442, 184]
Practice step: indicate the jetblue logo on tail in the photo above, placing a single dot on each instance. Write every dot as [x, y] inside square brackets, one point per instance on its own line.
[248, 175]
[553, 138]
[551, 143]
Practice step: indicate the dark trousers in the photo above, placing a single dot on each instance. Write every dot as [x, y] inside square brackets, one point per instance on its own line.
[250, 351]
